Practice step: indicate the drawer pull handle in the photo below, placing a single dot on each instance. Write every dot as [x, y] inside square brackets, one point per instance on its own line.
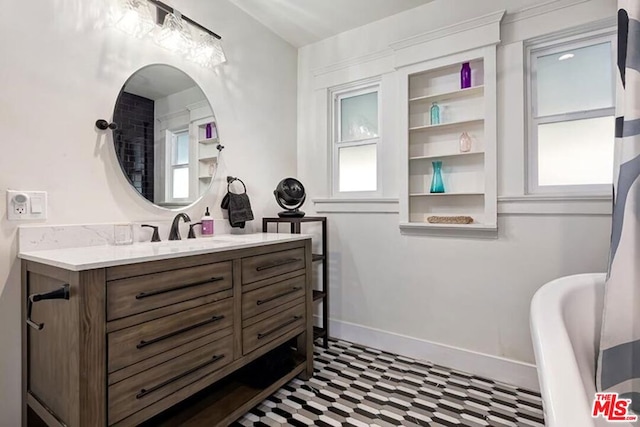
[143, 392]
[290, 291]
[144, 343]
[277, 328]
[177, 288]
[278, 263]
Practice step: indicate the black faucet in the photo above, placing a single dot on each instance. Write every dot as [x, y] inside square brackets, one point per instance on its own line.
[174, 234]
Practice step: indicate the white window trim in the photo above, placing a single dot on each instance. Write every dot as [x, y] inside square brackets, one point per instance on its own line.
[335, 95]
[531, 162]
[170, 136]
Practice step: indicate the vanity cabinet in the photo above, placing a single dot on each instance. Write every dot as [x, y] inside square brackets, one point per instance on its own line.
[134, 340]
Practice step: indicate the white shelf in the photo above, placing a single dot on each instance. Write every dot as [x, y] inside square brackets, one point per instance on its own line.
[207, 158]
[460, 93]
[473, 225]
[476, 230]
[445, 125]
[204, 177]
[209, 141]
[439, 156]
[446, 194]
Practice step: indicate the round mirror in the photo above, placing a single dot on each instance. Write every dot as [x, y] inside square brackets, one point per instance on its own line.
[167, 136]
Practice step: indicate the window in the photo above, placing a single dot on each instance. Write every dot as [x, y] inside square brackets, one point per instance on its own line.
[178, 172]
[356, 135]
[571, 115]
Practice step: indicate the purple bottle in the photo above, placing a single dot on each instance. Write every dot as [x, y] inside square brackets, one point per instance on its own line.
[465, 76]
[208, 131]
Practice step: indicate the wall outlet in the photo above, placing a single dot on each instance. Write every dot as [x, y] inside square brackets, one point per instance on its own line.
[26, 205]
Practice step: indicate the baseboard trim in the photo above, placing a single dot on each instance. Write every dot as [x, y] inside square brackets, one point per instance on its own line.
[501, 369]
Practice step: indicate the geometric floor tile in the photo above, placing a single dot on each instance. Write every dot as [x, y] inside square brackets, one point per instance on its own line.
[358, 386]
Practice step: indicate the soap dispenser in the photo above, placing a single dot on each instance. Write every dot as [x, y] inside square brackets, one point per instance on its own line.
[207, 224]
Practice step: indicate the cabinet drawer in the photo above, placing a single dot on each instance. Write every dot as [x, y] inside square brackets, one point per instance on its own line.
[126, 297]
[264, 332]
[272, 296]
[147, 387]
[131, 345]
[264, 266]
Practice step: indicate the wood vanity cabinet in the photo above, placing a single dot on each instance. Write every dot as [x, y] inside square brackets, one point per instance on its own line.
[134, 340]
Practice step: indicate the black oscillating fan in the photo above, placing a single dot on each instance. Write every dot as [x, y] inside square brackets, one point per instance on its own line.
[290, 195]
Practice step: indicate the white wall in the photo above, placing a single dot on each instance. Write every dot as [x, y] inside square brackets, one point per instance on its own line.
[60, 73]
[460, 292]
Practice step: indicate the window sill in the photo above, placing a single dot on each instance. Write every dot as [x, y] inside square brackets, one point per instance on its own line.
[356, 205]
[507, 205]
[555, 205]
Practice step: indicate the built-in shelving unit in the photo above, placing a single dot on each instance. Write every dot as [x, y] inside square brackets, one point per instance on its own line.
[321, 295]
[207, 152]
[469, 176]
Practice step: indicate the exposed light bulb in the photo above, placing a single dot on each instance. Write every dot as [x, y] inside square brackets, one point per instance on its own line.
[566, 56]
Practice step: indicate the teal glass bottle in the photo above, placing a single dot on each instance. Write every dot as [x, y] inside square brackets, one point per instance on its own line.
[435, 114]
[437, 185]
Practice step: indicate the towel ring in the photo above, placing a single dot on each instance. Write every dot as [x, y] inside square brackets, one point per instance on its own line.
[230, 179]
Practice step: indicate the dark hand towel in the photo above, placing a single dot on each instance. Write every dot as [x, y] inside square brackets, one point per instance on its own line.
[239, 209]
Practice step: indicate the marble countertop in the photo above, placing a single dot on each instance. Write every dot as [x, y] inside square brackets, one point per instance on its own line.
[87, 258]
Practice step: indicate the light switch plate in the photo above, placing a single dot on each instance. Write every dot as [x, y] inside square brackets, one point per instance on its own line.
[26, 205]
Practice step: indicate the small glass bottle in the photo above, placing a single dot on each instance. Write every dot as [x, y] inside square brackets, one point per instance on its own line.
[435, 114]
[465, 76]
[437, 184]
[208, 131]
[465, 142]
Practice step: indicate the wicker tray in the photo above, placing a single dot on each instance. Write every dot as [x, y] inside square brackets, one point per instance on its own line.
[450, 219]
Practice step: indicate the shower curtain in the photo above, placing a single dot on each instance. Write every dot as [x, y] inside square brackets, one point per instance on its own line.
[619, 356]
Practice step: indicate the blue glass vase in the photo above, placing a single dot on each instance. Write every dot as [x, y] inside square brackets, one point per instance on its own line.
[437, 185]
[435, 114]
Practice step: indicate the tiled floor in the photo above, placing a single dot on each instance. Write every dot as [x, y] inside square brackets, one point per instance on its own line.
[357, 386]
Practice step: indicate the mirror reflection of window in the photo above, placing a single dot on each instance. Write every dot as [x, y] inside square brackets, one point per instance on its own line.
[179, 174]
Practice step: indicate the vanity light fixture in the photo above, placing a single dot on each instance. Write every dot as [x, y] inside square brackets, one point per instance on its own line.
[175, 33]
[207, 52]
[135, 18]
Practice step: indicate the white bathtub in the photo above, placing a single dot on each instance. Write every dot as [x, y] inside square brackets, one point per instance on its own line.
[566, 316]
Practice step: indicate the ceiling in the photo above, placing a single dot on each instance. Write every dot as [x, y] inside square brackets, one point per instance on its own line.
[301, 22]
[158, 81]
